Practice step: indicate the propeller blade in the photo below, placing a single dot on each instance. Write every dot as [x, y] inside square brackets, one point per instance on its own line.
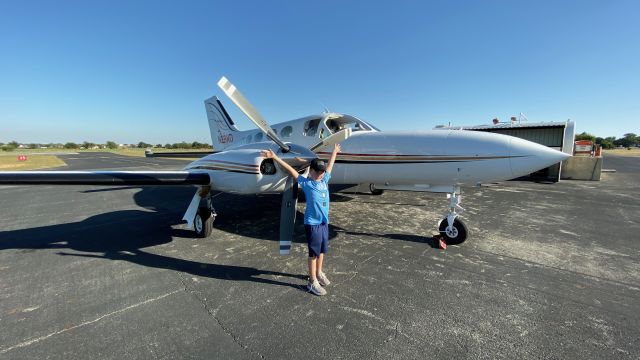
[243, 104]
[338, 137]
[288, 215]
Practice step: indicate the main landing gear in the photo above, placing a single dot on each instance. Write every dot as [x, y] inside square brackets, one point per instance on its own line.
[200, 214]
[453, 230]
[375, 191]
[203, 221]
[206, 215]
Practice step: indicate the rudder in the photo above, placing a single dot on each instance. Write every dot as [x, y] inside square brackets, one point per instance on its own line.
[220, 124]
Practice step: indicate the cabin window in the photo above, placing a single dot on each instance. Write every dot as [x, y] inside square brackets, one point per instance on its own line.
[333, 126]
[257, 137]
[286, 131]
[311, 127]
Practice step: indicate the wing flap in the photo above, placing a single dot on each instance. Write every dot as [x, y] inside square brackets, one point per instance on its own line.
[103, 178]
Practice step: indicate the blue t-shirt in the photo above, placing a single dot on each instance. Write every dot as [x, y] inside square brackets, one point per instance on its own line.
[317, 195]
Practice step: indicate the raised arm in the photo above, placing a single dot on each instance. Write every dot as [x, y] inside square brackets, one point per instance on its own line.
[336, 150]
[269, 154]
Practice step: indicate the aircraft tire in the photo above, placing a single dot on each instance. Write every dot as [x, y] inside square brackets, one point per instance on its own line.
[203, 222]
[460, 232]
[375, 191]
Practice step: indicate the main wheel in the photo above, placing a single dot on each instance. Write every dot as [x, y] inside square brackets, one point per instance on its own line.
[203, 222]
[458, 233]
[375, 191]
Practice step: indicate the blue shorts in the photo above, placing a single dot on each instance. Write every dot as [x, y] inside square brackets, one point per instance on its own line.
[317, 239]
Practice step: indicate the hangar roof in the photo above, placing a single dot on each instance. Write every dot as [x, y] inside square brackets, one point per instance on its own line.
[507, 125]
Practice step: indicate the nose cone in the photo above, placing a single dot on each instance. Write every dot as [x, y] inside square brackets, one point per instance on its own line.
[528, 157]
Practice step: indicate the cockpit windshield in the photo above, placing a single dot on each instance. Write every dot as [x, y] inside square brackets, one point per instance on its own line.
[339, 122]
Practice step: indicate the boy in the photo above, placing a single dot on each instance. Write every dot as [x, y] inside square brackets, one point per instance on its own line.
[316, 214]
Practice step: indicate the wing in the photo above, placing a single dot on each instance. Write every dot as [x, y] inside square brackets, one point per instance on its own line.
[103, 178]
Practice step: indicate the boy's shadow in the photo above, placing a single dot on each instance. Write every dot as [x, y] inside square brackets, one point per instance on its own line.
[432, 241]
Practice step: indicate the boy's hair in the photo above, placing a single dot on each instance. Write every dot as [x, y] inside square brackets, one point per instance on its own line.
[318, 165]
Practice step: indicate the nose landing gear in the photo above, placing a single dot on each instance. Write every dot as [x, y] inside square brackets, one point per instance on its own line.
[453, 230]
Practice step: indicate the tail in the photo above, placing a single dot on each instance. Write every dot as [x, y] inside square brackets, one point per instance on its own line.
[220, 124]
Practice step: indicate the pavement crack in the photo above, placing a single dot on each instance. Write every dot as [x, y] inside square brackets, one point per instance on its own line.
[213, 314]
[113, 313]
[355, 267]
[394, 336]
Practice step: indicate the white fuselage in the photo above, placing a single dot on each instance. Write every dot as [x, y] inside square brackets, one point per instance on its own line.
[434, 161]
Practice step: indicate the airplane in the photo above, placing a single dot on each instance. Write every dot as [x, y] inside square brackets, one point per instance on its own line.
[440, 161]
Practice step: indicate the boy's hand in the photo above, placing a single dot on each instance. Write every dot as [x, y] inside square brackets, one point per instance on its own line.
[269, 154]
[337, 148]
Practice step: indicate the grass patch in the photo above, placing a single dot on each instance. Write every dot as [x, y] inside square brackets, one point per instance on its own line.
[139, 152]
[623, 152]
[127, 151]
[11, 162]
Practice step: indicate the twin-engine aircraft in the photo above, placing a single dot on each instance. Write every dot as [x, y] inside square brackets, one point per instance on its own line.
[428, 161]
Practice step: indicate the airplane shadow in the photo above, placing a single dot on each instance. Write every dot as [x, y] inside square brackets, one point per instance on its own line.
[122, 235]
[258, 217]
[210, 270]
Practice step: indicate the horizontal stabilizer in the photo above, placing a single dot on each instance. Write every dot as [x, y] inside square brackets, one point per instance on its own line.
[103, 178]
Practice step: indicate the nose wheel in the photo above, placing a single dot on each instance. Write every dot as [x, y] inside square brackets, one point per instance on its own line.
[453, 230]
[455, 234]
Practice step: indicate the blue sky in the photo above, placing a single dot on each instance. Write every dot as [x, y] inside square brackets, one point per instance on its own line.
[134, 71]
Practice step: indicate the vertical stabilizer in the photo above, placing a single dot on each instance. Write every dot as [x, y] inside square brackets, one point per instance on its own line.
[222, 128]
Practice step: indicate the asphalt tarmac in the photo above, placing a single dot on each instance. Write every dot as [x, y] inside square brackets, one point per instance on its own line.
[551, 271]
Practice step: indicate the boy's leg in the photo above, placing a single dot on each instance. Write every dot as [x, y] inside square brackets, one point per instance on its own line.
[316, 234]
[324, 247]
[314, 286]
[319, 263]
[313, 241]
[312, 268]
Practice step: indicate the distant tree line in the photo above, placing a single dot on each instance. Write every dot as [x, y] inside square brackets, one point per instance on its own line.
[627, 140]
[108, 145]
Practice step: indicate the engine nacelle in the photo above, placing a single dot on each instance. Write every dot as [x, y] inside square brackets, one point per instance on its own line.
[244, 170]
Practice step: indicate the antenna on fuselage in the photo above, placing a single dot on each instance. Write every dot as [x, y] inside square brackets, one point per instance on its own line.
[326, 109]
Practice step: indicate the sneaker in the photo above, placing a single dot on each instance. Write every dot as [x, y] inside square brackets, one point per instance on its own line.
[323, 280]
[315, 288]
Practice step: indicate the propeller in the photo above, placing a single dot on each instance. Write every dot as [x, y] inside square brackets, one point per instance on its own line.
[293, 153]
[335, 138]
[243, 104]
[288, 215]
